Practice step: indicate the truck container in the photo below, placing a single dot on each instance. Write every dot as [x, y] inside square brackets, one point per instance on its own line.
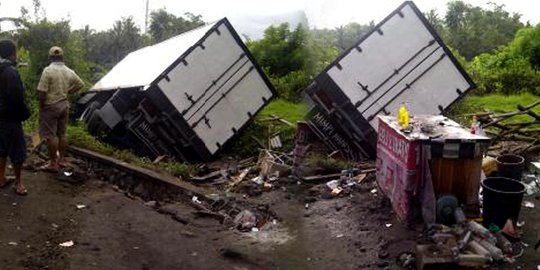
[402, 60]
[185, 97]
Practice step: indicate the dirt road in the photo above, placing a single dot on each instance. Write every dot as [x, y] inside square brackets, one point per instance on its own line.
[114, 231]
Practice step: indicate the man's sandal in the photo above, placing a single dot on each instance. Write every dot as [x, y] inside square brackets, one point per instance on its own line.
[20, 192]
[48, 168]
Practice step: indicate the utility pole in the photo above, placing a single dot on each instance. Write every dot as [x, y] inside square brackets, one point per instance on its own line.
[146, 18]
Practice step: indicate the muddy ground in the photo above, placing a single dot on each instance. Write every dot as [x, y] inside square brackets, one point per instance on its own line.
[115, 231]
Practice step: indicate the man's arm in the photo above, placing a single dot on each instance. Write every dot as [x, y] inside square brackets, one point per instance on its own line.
[76, 84]
[14, 94]
[42, 96]
[14, 90]
[74, 89]
[42, 88]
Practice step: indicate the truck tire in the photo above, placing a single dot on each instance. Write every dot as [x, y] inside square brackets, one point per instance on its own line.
[89, 111]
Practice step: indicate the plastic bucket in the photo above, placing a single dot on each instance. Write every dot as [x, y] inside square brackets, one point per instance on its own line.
[510, 166]
[502, 200]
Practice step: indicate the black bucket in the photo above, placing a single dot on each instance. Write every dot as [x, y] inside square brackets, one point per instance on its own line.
[510, 166]
[502, 200]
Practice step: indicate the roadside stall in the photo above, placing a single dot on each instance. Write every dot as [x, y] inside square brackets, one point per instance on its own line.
[430, 157]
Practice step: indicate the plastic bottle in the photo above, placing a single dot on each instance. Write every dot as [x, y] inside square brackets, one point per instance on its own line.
[463, 242]
[405, 118]
[474, 125]
[481, 231]
[495, 252]
[503, 243]
[473, 260]
[479, 249]
[401, 111]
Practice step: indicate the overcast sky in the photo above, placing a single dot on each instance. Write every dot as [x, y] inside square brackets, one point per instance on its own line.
[100, 14]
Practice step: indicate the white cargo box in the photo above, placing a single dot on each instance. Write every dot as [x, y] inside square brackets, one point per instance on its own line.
[402, 60]
[195, 92]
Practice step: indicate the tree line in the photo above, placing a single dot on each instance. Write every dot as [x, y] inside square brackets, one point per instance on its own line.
[501, 53]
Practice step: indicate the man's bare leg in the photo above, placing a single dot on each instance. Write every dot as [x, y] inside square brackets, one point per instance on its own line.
[18, 185]
[3, 162]
[52, 146]
[62, 148]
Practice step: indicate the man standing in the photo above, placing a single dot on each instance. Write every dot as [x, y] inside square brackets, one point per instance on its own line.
[56, 84]
[13, 111]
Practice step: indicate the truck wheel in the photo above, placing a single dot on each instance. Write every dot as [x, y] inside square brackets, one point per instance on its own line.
[94, 123]
[89, 111]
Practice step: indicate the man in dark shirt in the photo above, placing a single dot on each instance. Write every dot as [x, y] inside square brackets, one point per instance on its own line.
[13, 111]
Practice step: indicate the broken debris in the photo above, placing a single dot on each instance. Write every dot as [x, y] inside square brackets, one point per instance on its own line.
[245, 220]
[67, 244]
[510, 133]
[468, 245]
[273, 163]
[528, 204]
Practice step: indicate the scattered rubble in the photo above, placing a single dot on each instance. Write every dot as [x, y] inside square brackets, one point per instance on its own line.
[528, 204]
[510, 135]
[151, 204]
[468, 245]
[67, 244]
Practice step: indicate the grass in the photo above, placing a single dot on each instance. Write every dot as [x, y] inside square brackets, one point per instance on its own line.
[292, 112]
[327, 163]
[493, 103]
[79, 136]
[245, 145]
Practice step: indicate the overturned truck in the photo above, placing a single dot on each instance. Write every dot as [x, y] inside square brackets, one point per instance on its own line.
[185, 97]
[402, 60]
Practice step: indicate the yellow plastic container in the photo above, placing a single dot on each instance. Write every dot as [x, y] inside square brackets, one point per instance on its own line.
[401, 112]
[405, 121]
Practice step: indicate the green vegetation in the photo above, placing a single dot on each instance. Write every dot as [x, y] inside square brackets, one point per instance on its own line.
[292, 112]
[327, 163]
[493, 103]
[261, 128]
[501, 53]
[283, 55]
[511, 69]
[474, 30]
[90, 54]
[164, 25]
[79, 136]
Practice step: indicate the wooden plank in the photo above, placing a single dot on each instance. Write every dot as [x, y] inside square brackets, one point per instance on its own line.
[283, 120]
[460, 177]
[259, 142]
[207, 177]
[320, 178]
[138, 171]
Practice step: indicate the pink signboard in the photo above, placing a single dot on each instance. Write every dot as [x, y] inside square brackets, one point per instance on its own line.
[397, 170]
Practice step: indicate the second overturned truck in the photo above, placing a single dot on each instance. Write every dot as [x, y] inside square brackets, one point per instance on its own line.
[185, 97]
[402, 61]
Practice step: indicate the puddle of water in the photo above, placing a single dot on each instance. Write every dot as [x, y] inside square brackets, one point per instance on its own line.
[272, 234]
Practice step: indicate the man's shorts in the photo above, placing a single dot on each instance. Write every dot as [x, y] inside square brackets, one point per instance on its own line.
[53, 120]
[12, 142]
